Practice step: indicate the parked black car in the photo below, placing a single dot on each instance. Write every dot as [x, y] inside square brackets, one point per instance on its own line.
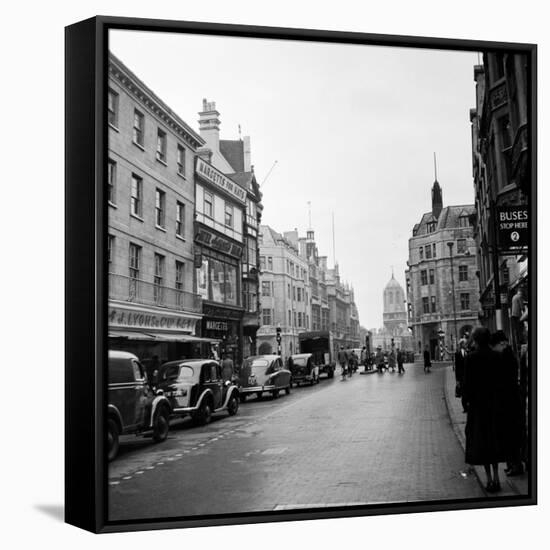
[195, 387]
[133, 406]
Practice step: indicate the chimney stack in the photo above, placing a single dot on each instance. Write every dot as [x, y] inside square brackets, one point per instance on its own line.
[209, 125]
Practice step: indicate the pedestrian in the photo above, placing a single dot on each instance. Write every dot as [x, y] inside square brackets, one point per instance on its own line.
[517, 310]
[343, 362]
[508, 381]
[354, 361]
[227, 367]
[460, 359]
[379, 360]
[391, 360]
[400, 360]
[153, 371]
[427, 360]
[485, 426]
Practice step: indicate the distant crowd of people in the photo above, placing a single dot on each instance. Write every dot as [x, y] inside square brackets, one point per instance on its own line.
[386, 361]
[488, 384]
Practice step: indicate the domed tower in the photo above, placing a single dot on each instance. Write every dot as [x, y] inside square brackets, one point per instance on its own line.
[395, 313]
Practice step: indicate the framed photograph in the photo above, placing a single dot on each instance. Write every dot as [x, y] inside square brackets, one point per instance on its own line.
[301, 274]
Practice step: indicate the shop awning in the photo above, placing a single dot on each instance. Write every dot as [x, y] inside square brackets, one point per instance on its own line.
[184, 338]
[131, 335]
[161, 337]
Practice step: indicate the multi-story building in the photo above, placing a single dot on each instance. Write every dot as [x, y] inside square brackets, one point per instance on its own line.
[442, 287]
[317, 267]
[500, 156]
[285, 291]
[153, 306]
[343, 316]
[227, 219]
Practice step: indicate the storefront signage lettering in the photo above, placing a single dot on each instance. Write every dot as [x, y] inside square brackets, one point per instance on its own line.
[221, 326]
[210, 174]
[202, 236]
[131, 319]
[513, 226]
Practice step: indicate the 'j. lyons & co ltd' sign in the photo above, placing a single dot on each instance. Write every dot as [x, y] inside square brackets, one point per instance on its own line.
[513, 226]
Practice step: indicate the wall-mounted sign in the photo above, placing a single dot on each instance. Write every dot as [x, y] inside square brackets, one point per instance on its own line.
[220, 326]
[217, 242]
[147, 320]
[513, 226]
[210, 174]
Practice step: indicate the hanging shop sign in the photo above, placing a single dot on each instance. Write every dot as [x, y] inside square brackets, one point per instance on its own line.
[513, 226]
[210, 174]
[217, 242]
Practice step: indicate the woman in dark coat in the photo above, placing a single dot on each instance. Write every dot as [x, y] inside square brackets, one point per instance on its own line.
[427, 360]
[511, 402]
[485, 426]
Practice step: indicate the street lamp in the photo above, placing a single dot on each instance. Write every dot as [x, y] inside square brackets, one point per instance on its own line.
[441, 334]
[450, 245]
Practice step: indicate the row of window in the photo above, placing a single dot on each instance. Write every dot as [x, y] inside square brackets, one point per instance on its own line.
[136, 200]
[266, 263]
[135, 252]
[295, 319]
[138, 133]
[428, 276]
[429, 303]
[429, 251]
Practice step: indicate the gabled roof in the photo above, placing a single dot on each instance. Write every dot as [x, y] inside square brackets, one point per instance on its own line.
[448, 219]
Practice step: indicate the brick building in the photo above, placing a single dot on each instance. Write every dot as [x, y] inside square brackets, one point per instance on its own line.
[153, 306]
[442, 286]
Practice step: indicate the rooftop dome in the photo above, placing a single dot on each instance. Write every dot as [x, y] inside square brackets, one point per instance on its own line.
[392, 283]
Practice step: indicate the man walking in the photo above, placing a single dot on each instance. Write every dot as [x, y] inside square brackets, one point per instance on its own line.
[400, 359]
[460, 360]
[427, 360]
[343, 361]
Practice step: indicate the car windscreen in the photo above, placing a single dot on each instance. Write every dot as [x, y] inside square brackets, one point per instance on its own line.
[299, 361]
[186, 372]
[258, 366]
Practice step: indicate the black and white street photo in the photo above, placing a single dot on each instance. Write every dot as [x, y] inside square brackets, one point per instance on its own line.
[318, 275]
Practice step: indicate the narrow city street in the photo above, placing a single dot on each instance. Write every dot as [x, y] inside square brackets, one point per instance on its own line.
[372, 439]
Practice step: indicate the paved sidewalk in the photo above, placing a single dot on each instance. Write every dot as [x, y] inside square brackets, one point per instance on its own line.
[511, 486]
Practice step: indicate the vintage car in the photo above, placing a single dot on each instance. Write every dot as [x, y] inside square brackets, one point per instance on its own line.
[196, 388]
[133, 407]
[263, 373]
[303, 369]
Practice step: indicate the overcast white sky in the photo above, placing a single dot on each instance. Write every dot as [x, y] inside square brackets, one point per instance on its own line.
[353, 130]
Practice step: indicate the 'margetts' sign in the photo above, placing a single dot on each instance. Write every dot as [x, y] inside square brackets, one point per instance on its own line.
[513, 226]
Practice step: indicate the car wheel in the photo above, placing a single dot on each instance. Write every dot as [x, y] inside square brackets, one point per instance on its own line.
[331, 373]
[287, 389]
[161, 425]
[259, 395]
[205, 412]
[275, 394]
[112, 439]
[242, 397]
[233, 405]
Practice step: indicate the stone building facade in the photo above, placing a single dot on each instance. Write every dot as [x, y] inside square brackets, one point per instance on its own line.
[285, 292]
[442, 286]
[501, 161]
[153, 305]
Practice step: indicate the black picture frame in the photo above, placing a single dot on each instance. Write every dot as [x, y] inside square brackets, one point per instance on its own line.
[86, 273]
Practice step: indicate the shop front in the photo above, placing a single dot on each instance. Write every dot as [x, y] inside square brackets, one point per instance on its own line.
[218, 263]
[224, 325]
[154, 335]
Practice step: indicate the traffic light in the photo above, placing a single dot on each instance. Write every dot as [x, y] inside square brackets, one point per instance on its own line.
[278, 337]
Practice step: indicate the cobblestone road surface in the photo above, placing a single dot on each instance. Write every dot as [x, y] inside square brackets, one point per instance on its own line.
[372, 439]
